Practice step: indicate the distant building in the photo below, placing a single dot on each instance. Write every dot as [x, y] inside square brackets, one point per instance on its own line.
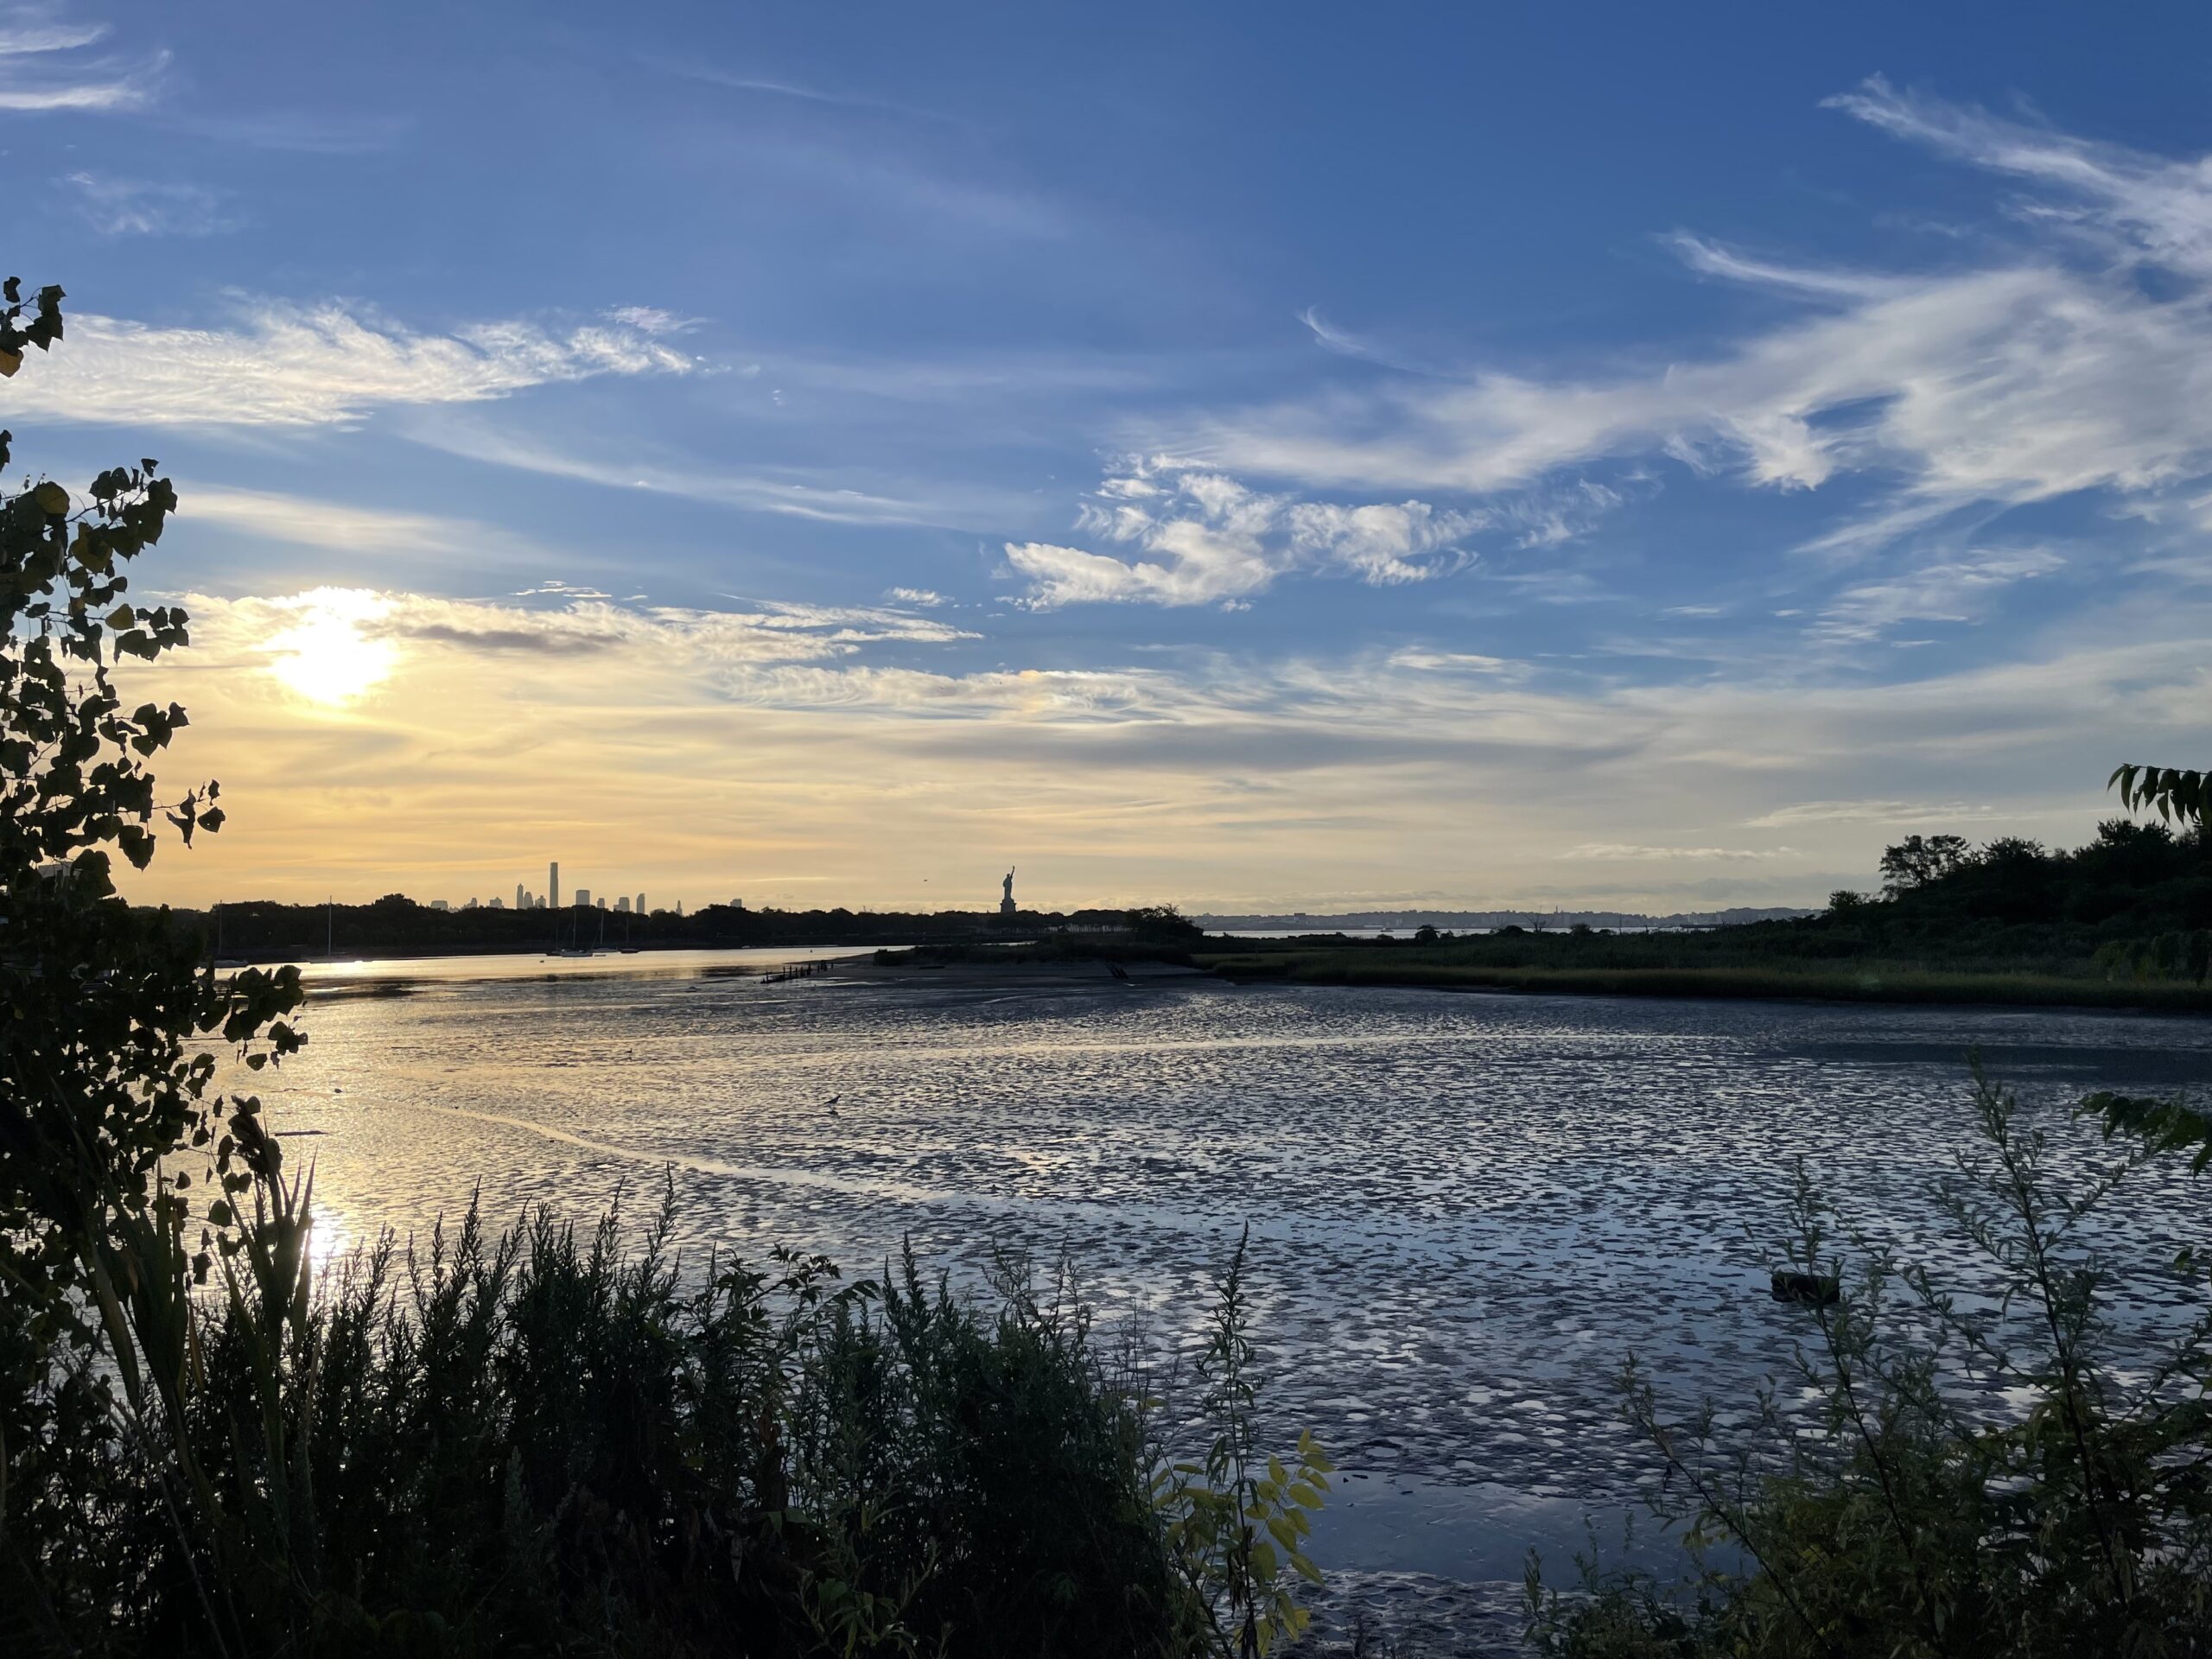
[522, 898]
[622, 905]
[440, 904]
[639, 907]
[583, 897]
[601, 901]
[498, 903]
[553, 884]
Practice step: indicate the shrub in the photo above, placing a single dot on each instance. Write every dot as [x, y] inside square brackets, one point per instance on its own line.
[1905, 1512]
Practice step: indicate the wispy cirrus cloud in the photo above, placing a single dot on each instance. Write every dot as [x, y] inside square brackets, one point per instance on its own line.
[1890, 812]
[44, 69]
[812, 496]
[1959, 589]
[770, 86]
[284, 364]
[2046, 370]
[118, 207]
[709, 645]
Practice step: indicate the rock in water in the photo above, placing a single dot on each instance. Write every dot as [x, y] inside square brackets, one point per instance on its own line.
[1807, 1289]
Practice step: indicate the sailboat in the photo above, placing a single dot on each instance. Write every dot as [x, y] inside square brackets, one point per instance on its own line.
[576, 947]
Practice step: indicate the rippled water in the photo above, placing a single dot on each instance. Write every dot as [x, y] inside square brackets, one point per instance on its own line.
[1465, 1209]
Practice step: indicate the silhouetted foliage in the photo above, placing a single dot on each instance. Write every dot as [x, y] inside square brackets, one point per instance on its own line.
[103, 1064]
[2129, 915]
[265, 930]
[1917, 860]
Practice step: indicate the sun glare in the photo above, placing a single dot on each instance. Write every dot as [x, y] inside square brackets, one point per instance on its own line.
[324, 654]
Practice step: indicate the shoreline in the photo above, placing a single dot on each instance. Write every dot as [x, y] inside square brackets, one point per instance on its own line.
[853, 964]
[1957, 989]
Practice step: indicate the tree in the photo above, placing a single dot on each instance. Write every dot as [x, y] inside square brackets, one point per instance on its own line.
[1918, 859]
[1161, 922]
[106, 1061]
[2127, 851]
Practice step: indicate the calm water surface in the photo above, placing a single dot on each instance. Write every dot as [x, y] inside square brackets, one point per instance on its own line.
[1465, 1209]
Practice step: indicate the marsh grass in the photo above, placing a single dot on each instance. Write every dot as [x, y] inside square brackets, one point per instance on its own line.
[546, 1441]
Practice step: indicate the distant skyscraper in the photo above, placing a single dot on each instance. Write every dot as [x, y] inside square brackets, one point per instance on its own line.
[553, 884]
[623, 904]
[601, 901]
[640, 906]
[583, 899]
[521, 898]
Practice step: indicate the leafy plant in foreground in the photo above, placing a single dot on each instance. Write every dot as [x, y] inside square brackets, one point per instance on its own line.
[1955, 1476]
[105, 1071]
[1238, 1519]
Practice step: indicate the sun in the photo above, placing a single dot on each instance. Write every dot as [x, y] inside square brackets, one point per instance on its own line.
[325, 653]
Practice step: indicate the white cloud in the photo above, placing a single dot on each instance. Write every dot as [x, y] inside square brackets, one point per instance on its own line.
[1953, 590]
[1382, 543]
[652, 320]
[1891, 812]
[41, 70]
[283, 364]
[662, 641]
[2132, 204]
[116, 207]
[813, 496]
[928, 598]
[1960, 589]
[1204, 539]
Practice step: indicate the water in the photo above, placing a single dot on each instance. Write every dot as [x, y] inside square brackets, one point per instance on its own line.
[1465, 1209]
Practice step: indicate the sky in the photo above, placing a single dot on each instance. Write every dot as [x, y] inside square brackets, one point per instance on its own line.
[1252, 457]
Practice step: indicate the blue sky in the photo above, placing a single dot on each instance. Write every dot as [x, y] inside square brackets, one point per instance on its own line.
[1244, 455]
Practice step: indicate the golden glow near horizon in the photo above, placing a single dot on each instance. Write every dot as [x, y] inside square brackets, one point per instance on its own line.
[325, 655]
[369, 741]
